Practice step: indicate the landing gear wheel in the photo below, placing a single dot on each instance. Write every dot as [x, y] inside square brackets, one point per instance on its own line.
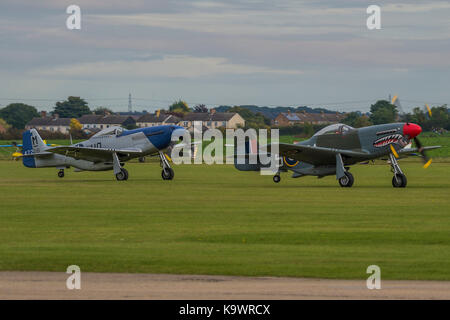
[122, 175]
[276, 178]
[347, 180]
[141, 159]
[167, 174]
[61, 173]
[399, 181]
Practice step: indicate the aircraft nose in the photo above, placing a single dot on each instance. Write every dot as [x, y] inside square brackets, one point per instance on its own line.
[411, 130]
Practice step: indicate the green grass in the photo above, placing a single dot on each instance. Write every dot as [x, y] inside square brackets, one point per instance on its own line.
[430, 139]
[216, 220]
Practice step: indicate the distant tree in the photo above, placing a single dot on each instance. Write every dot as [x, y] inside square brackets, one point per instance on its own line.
[131, 126]
[439, 119]
[418, 115]
[18, 114]
[362, 121]
[383, 112]
[308, 129]
[4, 124]
[73, 107]
[200, 108]
[11, 134]
[243, 112]
[351, 118]
[252, 120]
[76, 129]
[356, 120]
[75, 125]
[103, 111]
[179, 106]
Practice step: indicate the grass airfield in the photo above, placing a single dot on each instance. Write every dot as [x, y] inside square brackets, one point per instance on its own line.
[216, 220]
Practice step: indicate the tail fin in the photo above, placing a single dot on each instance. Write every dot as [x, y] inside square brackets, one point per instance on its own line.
[32, 143]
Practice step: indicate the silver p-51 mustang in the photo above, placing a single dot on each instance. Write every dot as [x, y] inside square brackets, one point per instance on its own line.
[106, 150]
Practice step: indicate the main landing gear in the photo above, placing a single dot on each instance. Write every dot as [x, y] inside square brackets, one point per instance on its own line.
[347, 180]
[399, 179]
[121, 173]
[61, 173]
[344, 177]
[167, 172]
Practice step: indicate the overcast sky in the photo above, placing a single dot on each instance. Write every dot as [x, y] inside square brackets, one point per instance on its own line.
[264, 52]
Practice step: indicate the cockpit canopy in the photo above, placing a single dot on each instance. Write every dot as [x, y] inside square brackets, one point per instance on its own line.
[337, 128]
[111, 131]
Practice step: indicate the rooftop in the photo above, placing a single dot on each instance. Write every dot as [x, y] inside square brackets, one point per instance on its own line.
[101, 119]
[49, 121]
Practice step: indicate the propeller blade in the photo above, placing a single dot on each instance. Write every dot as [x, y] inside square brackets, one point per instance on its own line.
[427, 161]
[429, 110]
[426, 165]
[394, 99]
[168, 158]
[396, 102]
[394, 152]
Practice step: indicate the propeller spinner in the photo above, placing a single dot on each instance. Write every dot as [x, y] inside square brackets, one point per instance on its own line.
[411, 131]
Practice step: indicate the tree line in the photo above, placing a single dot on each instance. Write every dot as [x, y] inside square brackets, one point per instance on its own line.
[15, 116]
[385, 112]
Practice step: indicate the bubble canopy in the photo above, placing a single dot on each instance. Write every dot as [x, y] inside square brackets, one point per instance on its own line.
[114, 130]
[334, 128]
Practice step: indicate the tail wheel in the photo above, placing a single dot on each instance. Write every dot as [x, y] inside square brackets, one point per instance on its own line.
[347, 180]
[61, 173]
[276, 178]
[399, 181]
[167, 174]
[122, 175]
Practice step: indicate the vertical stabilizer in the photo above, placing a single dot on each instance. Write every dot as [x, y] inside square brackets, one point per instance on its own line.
[32, 144]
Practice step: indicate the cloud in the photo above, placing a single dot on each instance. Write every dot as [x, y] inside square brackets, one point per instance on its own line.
[291, 20]
[232, 22]
[166, 67]
[301, 48]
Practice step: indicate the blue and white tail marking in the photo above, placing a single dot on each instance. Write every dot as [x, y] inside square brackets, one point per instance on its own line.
[32, 144]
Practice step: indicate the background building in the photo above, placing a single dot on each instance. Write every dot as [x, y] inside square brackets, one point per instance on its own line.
[156, 119]
[92, 121]
[212, 120]
[53, 124]
[290, 118]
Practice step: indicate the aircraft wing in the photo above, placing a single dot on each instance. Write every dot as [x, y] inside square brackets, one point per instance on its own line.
[316, 155]
[93, 154]
[409, 151]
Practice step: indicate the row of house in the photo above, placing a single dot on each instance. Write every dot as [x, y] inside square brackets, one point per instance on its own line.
[210, 120]
[93, 123]
[291, 118]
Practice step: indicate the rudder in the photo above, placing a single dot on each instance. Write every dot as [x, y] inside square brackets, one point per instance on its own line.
[32, 143]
